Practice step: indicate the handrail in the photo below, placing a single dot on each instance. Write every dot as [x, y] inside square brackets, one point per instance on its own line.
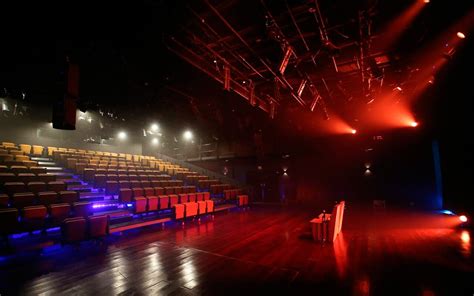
[201, 170]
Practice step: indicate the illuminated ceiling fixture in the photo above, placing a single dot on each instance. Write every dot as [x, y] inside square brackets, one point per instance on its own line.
[461, 35]
[154, 127]
[188, 135]
[122, 135]
[155, 141]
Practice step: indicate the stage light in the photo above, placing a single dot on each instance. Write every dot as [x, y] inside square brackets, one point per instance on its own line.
[463, 218]
[155, 141]
[398, 88]
[188, 135]
[89, 119]
[461, 35]
[154, 127]
[426, 1]
[122, 135]
[353, 131]
[414, 124]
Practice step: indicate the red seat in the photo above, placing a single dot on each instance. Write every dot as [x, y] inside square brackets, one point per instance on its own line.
[59, 212]
[199, 196]
[243, 200]
[17, 169]
[123, 177]
[124, 184]
[135, 184]
[73, 230]
[207, 195]
[89, 174]
[149, 191]
[125, 195]
[145, 183]
[183, 198]
[191, 209]
[36, 187]
[152, 203]
[209, 206]
[137, 192]
[201, 207]
[68, 196]
[57, 186]
[178, 211]
[47, 197]
[98, 226]
[174, 199]
[164, 201]
[82, 209]
[193, 197]
[159, 191]
[140, 204]
[112, 177]
[169, 190]
[15, 187]
[38, 170]
[34, 217]
[178, 189]
[7, 177]
[21, 200]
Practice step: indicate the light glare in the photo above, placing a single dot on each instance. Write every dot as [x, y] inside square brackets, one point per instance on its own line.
[122, 135]
[188, 135]
[461, 35]
[463, 218]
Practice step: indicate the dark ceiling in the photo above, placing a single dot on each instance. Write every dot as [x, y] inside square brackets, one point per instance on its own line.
[140, 59]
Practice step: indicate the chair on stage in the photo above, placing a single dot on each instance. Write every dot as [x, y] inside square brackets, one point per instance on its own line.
[326, 227]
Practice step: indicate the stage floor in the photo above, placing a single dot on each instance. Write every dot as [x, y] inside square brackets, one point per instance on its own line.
[266, 249]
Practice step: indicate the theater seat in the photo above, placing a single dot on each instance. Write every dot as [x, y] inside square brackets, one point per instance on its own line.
[73, 230]
[15, 187]
[38, 170]
[38, 150]
[191, 209]
[57, 186]
[159, 191]
[169, 190]
[47, 197]
[68, 196]
[89, 174]
[98, 226]
[209, 206]
[140, 204]
[174, 199]
[243, 200]
[59, 212]
[183, 198]
[206, 195]
[82, 209]
[124, 184]
[201, 207]
[125, 195]
[25, 148]
[99, 180]
[164, 201]
[7, 177]
[148, 191]
[152, 202]
[8, 221]
[17, 169]
[199, 196]
[21, 200]
[3, 201]
[34, 217]
[111, 187]
[178, 190]
[178, 211]
[27, 177]
[36, 187]
[4, 169]
[46, 178]
[193, 197]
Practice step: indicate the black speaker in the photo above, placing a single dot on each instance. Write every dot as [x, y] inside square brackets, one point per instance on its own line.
[64, 111]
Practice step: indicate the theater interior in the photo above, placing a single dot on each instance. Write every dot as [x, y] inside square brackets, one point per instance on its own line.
[204, 147]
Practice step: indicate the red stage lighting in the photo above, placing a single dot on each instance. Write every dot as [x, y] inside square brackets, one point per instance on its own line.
[414, 124]
[353, 131]
[463, 218]
[461, 35]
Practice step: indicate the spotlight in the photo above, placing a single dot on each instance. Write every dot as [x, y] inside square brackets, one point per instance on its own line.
[463, 218]
[398, 88]
[188, 135]
[89, 119]
[155, 141]
[461, 35]
[414, 124]
[426, 1]
[353, 131]
[154, 127]
[122, 135]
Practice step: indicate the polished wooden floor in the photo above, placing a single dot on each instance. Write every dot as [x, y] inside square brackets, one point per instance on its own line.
[264, 250]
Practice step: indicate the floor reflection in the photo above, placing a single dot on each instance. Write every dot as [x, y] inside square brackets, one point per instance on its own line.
[340, 253]
[466, 243]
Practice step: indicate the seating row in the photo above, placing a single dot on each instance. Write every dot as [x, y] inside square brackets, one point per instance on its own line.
[219, 188]
[114, 188]
[11, 188]
[40, 217]
[25, 199]
[26, 177]
[17, 169]
[232, 193]
[193, 209]
[74, 230]
[101, 182]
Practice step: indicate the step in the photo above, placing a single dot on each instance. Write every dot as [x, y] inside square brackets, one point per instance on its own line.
[224, 207]
[43, 159]
[137, 224]
[53, 169]
[61, 174]
[47, 164]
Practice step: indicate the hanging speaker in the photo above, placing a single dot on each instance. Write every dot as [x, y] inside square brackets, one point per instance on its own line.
[64, 111]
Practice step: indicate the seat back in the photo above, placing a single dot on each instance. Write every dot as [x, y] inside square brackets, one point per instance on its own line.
[21, 200]
[36, 187]
[8, 221]
[59, 212]
[15, 187]
[57, 186]
[73, 230]
[82, 209]
[47, 197]
[98, 226]
[68, 196]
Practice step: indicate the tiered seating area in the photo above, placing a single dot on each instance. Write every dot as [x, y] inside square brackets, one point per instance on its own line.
[91, 193]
